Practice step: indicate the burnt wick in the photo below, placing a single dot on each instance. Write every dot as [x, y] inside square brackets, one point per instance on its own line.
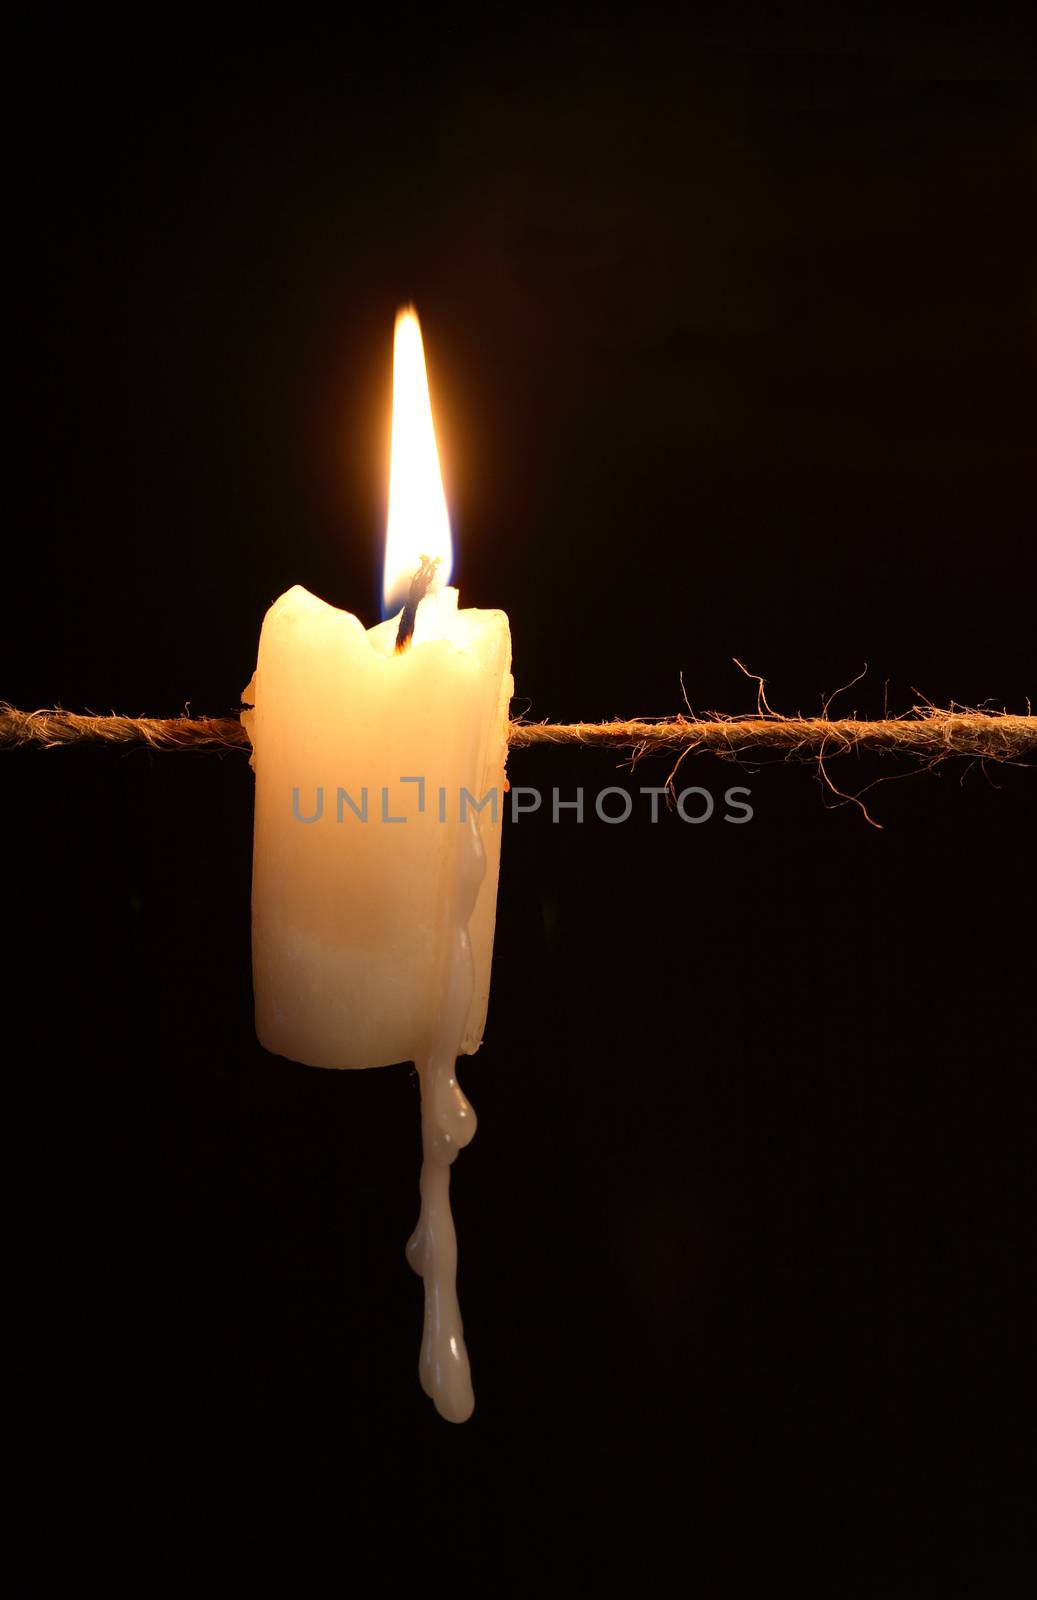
[419, 586]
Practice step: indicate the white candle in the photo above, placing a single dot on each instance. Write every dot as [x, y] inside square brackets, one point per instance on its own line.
[379, 795]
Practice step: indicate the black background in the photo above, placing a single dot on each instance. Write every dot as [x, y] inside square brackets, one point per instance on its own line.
[730, 350]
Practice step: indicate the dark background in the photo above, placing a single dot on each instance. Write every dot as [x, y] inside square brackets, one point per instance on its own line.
[729, 334]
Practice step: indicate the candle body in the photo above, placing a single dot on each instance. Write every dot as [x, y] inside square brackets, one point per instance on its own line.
[376, 775]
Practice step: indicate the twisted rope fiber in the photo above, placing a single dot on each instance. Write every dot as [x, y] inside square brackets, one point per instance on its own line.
[926, 732]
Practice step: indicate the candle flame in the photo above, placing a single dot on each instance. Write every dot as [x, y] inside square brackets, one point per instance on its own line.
[419, 524]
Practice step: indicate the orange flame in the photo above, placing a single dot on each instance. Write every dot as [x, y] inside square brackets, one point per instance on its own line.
[419, 524]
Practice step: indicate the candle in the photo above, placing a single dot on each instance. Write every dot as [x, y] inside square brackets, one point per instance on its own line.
[379, 763]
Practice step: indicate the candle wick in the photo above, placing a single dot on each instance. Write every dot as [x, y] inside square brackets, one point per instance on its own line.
[419, 585]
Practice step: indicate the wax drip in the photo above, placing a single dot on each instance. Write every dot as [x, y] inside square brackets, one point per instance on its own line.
[447, 1125]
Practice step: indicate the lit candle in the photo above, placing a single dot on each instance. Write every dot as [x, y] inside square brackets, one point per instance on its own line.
[379, 766]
